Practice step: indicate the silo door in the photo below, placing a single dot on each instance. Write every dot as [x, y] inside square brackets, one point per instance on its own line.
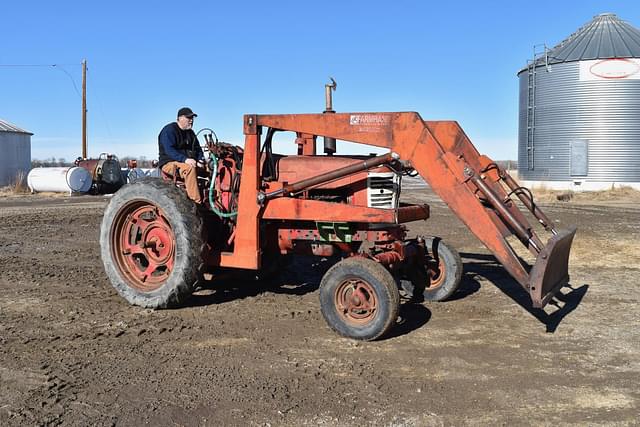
[579, 157]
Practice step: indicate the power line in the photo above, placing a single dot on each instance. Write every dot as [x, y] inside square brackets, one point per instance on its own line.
[70, 77]
[57, 66]
[34, 65]
[73, 82]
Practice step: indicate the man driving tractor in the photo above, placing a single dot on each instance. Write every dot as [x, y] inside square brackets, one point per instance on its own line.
[179, 152]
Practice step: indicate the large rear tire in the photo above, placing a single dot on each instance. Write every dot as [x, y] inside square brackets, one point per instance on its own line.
[359, 299]
[152, 244]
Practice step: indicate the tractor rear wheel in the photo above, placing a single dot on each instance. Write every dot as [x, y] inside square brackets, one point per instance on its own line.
[152, 244]
[440, 275]
[359, 299]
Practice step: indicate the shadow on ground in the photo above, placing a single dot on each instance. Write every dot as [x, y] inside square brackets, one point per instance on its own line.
[412, 316]
[486, 266]
[301, 275]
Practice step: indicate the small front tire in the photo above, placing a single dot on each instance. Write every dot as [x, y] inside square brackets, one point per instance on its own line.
[359, 299]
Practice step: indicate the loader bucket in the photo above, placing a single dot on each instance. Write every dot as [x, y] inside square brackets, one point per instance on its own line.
[550, 272]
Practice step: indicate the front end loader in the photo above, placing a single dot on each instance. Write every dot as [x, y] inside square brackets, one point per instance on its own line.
[260, 206]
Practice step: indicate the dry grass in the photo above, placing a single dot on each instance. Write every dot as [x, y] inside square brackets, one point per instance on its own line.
[619, 194]
[597, 252]
[17, 187]
[627, 193]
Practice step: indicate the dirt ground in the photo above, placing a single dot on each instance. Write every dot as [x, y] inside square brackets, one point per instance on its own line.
[72, 352]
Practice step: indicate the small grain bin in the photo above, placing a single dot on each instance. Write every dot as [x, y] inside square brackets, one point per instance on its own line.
[579, 110]
[15, 152]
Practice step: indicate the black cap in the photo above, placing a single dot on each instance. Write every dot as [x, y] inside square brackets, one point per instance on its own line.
[186, 111]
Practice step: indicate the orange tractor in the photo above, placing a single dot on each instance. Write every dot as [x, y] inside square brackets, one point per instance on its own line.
[157, 244]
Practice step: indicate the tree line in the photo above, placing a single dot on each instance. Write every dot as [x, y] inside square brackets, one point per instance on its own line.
[142, 162]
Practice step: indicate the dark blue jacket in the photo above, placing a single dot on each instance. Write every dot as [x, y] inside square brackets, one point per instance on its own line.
[175, 144]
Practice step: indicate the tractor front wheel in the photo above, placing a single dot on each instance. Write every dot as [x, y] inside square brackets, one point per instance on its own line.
[152, 244]
[359, 299]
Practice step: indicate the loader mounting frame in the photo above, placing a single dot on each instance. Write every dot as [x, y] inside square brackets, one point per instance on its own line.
[472, 185]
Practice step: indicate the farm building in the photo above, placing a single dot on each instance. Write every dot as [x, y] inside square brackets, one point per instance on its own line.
[15, 152]
[579, 110]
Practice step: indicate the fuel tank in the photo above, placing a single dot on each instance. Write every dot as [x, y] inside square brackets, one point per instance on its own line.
[59, 180]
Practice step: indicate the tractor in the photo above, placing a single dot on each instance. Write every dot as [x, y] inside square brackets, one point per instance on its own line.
[156, 244]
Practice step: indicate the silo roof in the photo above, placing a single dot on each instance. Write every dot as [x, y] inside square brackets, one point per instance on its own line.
[8, 127]
[605, 36]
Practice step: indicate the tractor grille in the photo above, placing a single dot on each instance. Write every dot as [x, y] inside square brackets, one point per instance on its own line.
[382, 190]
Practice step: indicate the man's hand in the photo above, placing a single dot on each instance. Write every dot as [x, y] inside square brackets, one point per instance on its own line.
[191, 162]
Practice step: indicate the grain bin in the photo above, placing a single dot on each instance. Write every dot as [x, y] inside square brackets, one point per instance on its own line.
[579, 110]
[15, 152]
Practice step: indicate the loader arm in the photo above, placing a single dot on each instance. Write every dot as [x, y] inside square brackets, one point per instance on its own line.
[473, 187]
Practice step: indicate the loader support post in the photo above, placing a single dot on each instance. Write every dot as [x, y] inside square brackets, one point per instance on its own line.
[247, 236]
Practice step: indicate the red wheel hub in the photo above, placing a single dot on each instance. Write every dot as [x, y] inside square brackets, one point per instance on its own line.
[436, 271]
[143, 245]
[356, 301]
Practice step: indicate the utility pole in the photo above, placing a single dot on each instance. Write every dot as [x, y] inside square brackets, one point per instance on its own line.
[84, 108]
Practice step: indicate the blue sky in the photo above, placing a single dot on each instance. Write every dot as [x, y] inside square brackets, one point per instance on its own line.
[445, 60]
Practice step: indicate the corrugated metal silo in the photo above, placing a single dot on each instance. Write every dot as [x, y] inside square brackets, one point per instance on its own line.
[15, 152]
[579, 112]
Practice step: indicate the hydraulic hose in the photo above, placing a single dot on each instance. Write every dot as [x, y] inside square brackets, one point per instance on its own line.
[212, 187]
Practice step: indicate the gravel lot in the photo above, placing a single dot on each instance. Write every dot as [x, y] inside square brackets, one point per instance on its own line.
[72, 352]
